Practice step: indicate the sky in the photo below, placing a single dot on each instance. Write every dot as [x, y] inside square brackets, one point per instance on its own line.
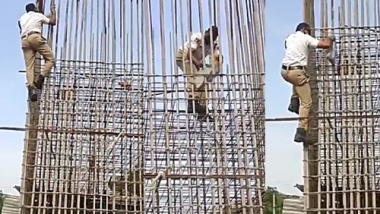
[13, 106]
[283, 167]
[283, 156]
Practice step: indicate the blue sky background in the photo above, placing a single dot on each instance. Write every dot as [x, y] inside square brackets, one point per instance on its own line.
[283, 156]
[13, 105]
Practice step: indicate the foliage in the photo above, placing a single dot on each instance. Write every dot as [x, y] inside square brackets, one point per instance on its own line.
[279, 198]
[1, 201]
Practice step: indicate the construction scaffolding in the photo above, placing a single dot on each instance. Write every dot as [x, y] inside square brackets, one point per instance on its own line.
[111, 132]
[342, 167]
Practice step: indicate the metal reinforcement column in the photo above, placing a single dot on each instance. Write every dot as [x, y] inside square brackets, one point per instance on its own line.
[205, 167]
[113, 131]
[311, 150]
[347, 178]
[31, 140]
[87, 154]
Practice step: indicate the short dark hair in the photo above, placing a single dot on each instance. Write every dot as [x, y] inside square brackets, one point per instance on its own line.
[30, 7]
[214, 30]
[302, 26]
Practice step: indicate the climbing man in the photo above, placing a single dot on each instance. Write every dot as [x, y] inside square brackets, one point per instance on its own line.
[32, 41]
[293, 71]
[190, 60]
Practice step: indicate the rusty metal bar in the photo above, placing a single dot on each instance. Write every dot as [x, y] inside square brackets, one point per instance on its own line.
[88, 138]
[209, 167]
[346, 155]
[113, 133]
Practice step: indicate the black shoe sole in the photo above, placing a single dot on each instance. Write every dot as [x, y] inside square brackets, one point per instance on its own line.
[299, 138]
[40, 82]
[209, 120]
[199, 109]
[39, 86]
[33, 97]
[205, 117]
[293, 111]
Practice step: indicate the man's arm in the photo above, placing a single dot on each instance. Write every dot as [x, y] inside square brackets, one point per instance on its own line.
[216, 54]
[286, 42]
[50, 19]
[216, 48]
[325, 43]
[19, 26]
[193, 45]
[322, 43]
[191, 57]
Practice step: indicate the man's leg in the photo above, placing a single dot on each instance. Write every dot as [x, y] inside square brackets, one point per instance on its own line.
[194, 94]
[29, 58]
[203, 100]
[182, 64]
[294, 100]
[305, 98]
[304, 93]
[40, 45]
[294, 105]
[302, 88]
[203, 90]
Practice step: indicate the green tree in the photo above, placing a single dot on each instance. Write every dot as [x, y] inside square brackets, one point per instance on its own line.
[1, 201]
[279, 198]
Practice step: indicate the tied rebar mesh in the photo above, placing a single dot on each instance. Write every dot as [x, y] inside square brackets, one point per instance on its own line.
[205, 167]
[111, 132]
[342, 173]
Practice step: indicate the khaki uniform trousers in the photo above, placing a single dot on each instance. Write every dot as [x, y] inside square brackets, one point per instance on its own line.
[301, 89]
[30, 46]
[189, 69]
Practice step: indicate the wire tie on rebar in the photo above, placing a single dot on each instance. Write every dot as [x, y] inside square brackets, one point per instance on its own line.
[154, 184]
[112, 144]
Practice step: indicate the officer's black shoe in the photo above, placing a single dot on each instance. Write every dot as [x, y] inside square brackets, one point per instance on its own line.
[190, 107]
[300, 136]
[40, 81]
[33, 95]
[294, 105]
[200, 109]
[204, 118]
